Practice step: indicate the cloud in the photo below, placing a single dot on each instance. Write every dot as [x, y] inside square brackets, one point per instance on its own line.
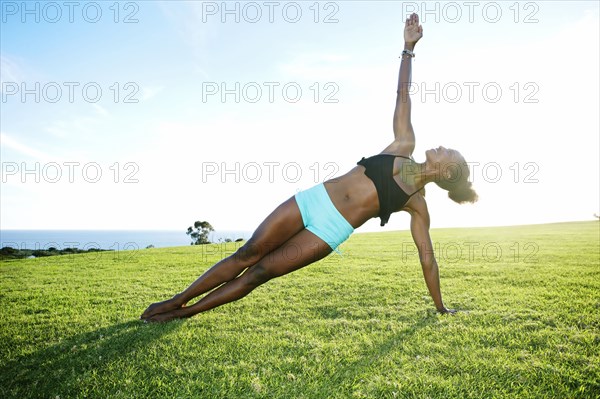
[101, 110]
[150, 92]
[9, 142]
[75, 126]
[312, 66]
[10, 71]
[186, 21]
[79, 124]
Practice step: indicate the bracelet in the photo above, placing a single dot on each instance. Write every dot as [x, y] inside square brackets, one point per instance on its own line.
[407, 52]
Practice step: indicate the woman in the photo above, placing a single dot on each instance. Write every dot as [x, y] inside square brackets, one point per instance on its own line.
[314, 222]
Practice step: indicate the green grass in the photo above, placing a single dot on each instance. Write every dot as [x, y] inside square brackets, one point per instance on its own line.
[359, 325]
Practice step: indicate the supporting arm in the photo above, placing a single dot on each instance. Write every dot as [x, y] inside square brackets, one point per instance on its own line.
[419, 227]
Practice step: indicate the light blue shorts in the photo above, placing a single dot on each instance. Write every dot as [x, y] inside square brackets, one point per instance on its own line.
[321, 217]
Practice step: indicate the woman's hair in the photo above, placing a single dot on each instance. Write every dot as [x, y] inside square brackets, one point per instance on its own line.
[455, 179]
[463, 193]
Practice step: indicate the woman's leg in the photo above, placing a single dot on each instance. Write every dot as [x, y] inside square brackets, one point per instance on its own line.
[282, 224]
[301, 250]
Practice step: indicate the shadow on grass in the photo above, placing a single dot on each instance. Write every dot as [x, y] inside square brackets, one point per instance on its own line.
[56, 370]
[350, 373]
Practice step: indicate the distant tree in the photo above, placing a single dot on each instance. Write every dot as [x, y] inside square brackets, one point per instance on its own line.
[8, 251]
[199, 233]
[150, 246]
[40, 252]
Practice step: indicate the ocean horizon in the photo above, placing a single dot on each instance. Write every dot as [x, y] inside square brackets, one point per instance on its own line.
[117, 240]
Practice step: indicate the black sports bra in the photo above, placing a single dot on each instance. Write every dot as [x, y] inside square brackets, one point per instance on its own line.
[380, 169]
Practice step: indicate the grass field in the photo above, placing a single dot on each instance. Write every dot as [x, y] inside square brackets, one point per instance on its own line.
[361, 325]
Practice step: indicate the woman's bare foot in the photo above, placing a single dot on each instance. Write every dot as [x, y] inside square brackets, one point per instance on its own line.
[162, 307]
[167, 316]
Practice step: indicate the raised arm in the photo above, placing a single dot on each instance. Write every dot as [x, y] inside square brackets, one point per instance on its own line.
[404, 137]
[419, 228]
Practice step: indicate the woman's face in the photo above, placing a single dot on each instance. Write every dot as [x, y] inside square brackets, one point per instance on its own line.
[446, 162]
[441, 156]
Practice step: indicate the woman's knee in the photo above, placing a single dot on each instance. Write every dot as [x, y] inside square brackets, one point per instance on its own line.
[249, 253]
[257, 275]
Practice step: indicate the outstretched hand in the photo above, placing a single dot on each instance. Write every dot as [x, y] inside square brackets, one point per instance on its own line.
[412, 30]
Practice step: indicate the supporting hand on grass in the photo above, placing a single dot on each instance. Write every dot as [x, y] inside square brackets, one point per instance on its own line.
[447, 311]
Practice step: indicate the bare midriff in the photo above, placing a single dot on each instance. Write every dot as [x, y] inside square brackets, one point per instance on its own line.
[354, 196]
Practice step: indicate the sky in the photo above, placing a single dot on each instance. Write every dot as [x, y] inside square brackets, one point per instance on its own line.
[151, 115]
